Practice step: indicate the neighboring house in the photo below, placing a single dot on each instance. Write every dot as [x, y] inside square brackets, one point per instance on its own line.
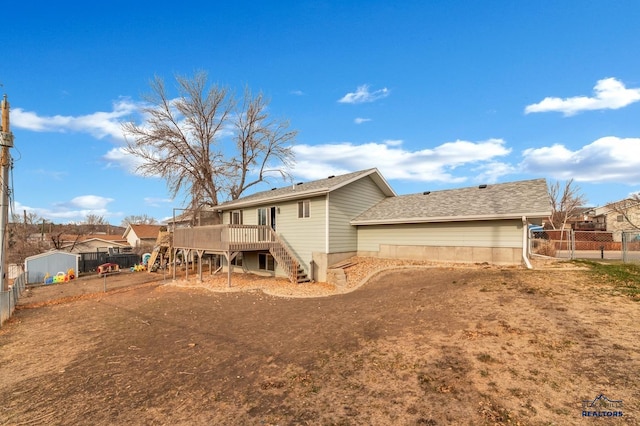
[619, 216]
[299, 231]
[582, 220]
[141, 235]
[92, 243]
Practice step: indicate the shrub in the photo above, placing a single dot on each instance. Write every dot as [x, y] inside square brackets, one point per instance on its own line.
[546, 248]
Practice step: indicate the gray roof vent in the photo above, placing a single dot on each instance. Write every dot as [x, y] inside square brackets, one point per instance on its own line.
[299, 183]
[426, 193]
[331, 177]
[273, 189]
[483, 186]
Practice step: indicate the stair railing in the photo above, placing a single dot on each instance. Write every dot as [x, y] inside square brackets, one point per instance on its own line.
[284, 256]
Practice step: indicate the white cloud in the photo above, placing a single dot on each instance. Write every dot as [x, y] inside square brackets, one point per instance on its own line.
[362, 95]
[394, 162]
[157, 202]
[608, 159]
[360, 120]
[74, 210]
[609, 94]
[119, 158]
[91, 202]
[297, 92]
[98, 124]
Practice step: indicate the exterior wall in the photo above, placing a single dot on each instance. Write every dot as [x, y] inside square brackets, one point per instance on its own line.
[322, 261]
[133, 239]
[49, 263]
[617, 227]
[303, 235]
[345, 204]
[498, 242]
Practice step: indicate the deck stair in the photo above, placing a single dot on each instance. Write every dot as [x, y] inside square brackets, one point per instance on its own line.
[163, 242]
[287, 260]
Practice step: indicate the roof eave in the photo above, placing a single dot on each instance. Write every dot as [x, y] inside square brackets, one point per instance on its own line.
[533, 215]
[271, 200]
[373, 173]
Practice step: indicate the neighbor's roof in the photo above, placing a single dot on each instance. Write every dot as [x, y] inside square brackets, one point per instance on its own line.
[143, 231]
[617, 206]
[309, 189]
[498, 201]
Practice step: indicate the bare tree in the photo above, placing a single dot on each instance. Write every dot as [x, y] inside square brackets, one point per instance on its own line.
[23, 242]
[183, 141]
[142, 219]
[262, 145]
[565, 201]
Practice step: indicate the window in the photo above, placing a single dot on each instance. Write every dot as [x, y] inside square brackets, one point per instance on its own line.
[266, 262]
[620, 218]
[235, 217]
[237, 261]
[303, 208]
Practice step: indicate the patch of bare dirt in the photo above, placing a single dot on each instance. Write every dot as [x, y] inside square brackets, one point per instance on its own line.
[421, 345]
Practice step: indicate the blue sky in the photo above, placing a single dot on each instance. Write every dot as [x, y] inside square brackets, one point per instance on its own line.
[435, 94]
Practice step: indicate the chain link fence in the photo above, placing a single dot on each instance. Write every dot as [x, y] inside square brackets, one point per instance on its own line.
[9, 299]
[631, 246]
[571, 244]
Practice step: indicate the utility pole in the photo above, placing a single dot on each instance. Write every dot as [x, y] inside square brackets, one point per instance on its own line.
[6, 142]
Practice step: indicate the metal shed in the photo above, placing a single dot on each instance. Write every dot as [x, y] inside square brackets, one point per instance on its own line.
[52, 262]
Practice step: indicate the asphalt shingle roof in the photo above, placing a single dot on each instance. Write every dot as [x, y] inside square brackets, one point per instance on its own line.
[146, 231]
[304, 188]
[513, 199]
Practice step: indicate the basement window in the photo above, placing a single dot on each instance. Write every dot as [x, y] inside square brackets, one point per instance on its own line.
[266, 262]
[237, 261]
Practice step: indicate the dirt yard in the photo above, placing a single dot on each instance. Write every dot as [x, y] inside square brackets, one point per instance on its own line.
[415, 346]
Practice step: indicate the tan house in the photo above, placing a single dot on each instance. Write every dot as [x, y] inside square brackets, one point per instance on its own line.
[619, 216]
[141, 235]
[93, 243]
[300, 230]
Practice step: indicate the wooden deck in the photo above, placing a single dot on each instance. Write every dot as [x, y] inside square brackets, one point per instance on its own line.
[225, 238]
[229, 239]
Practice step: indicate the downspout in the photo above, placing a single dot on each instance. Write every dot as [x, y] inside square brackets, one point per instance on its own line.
[525, 242]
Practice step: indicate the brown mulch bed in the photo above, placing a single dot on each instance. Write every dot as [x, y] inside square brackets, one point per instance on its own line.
[358, 271]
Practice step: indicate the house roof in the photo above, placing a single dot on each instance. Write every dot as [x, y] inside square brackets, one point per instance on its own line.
[144, 232]
[498, 201]
[309, 189]
[616, 206]
[108, 240]
[52, 253]
[104, 237]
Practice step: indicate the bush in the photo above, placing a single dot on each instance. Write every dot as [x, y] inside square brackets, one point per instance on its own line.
[546, 248]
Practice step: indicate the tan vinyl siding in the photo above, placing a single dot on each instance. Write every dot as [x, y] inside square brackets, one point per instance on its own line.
[345, 204]
[303, 235]
[503, 233]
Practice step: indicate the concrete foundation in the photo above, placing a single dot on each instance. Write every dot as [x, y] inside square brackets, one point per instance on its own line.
[493, 255]
[322, 262]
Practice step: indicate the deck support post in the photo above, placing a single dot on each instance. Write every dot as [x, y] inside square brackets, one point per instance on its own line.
[200, 254]
[227, 254]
